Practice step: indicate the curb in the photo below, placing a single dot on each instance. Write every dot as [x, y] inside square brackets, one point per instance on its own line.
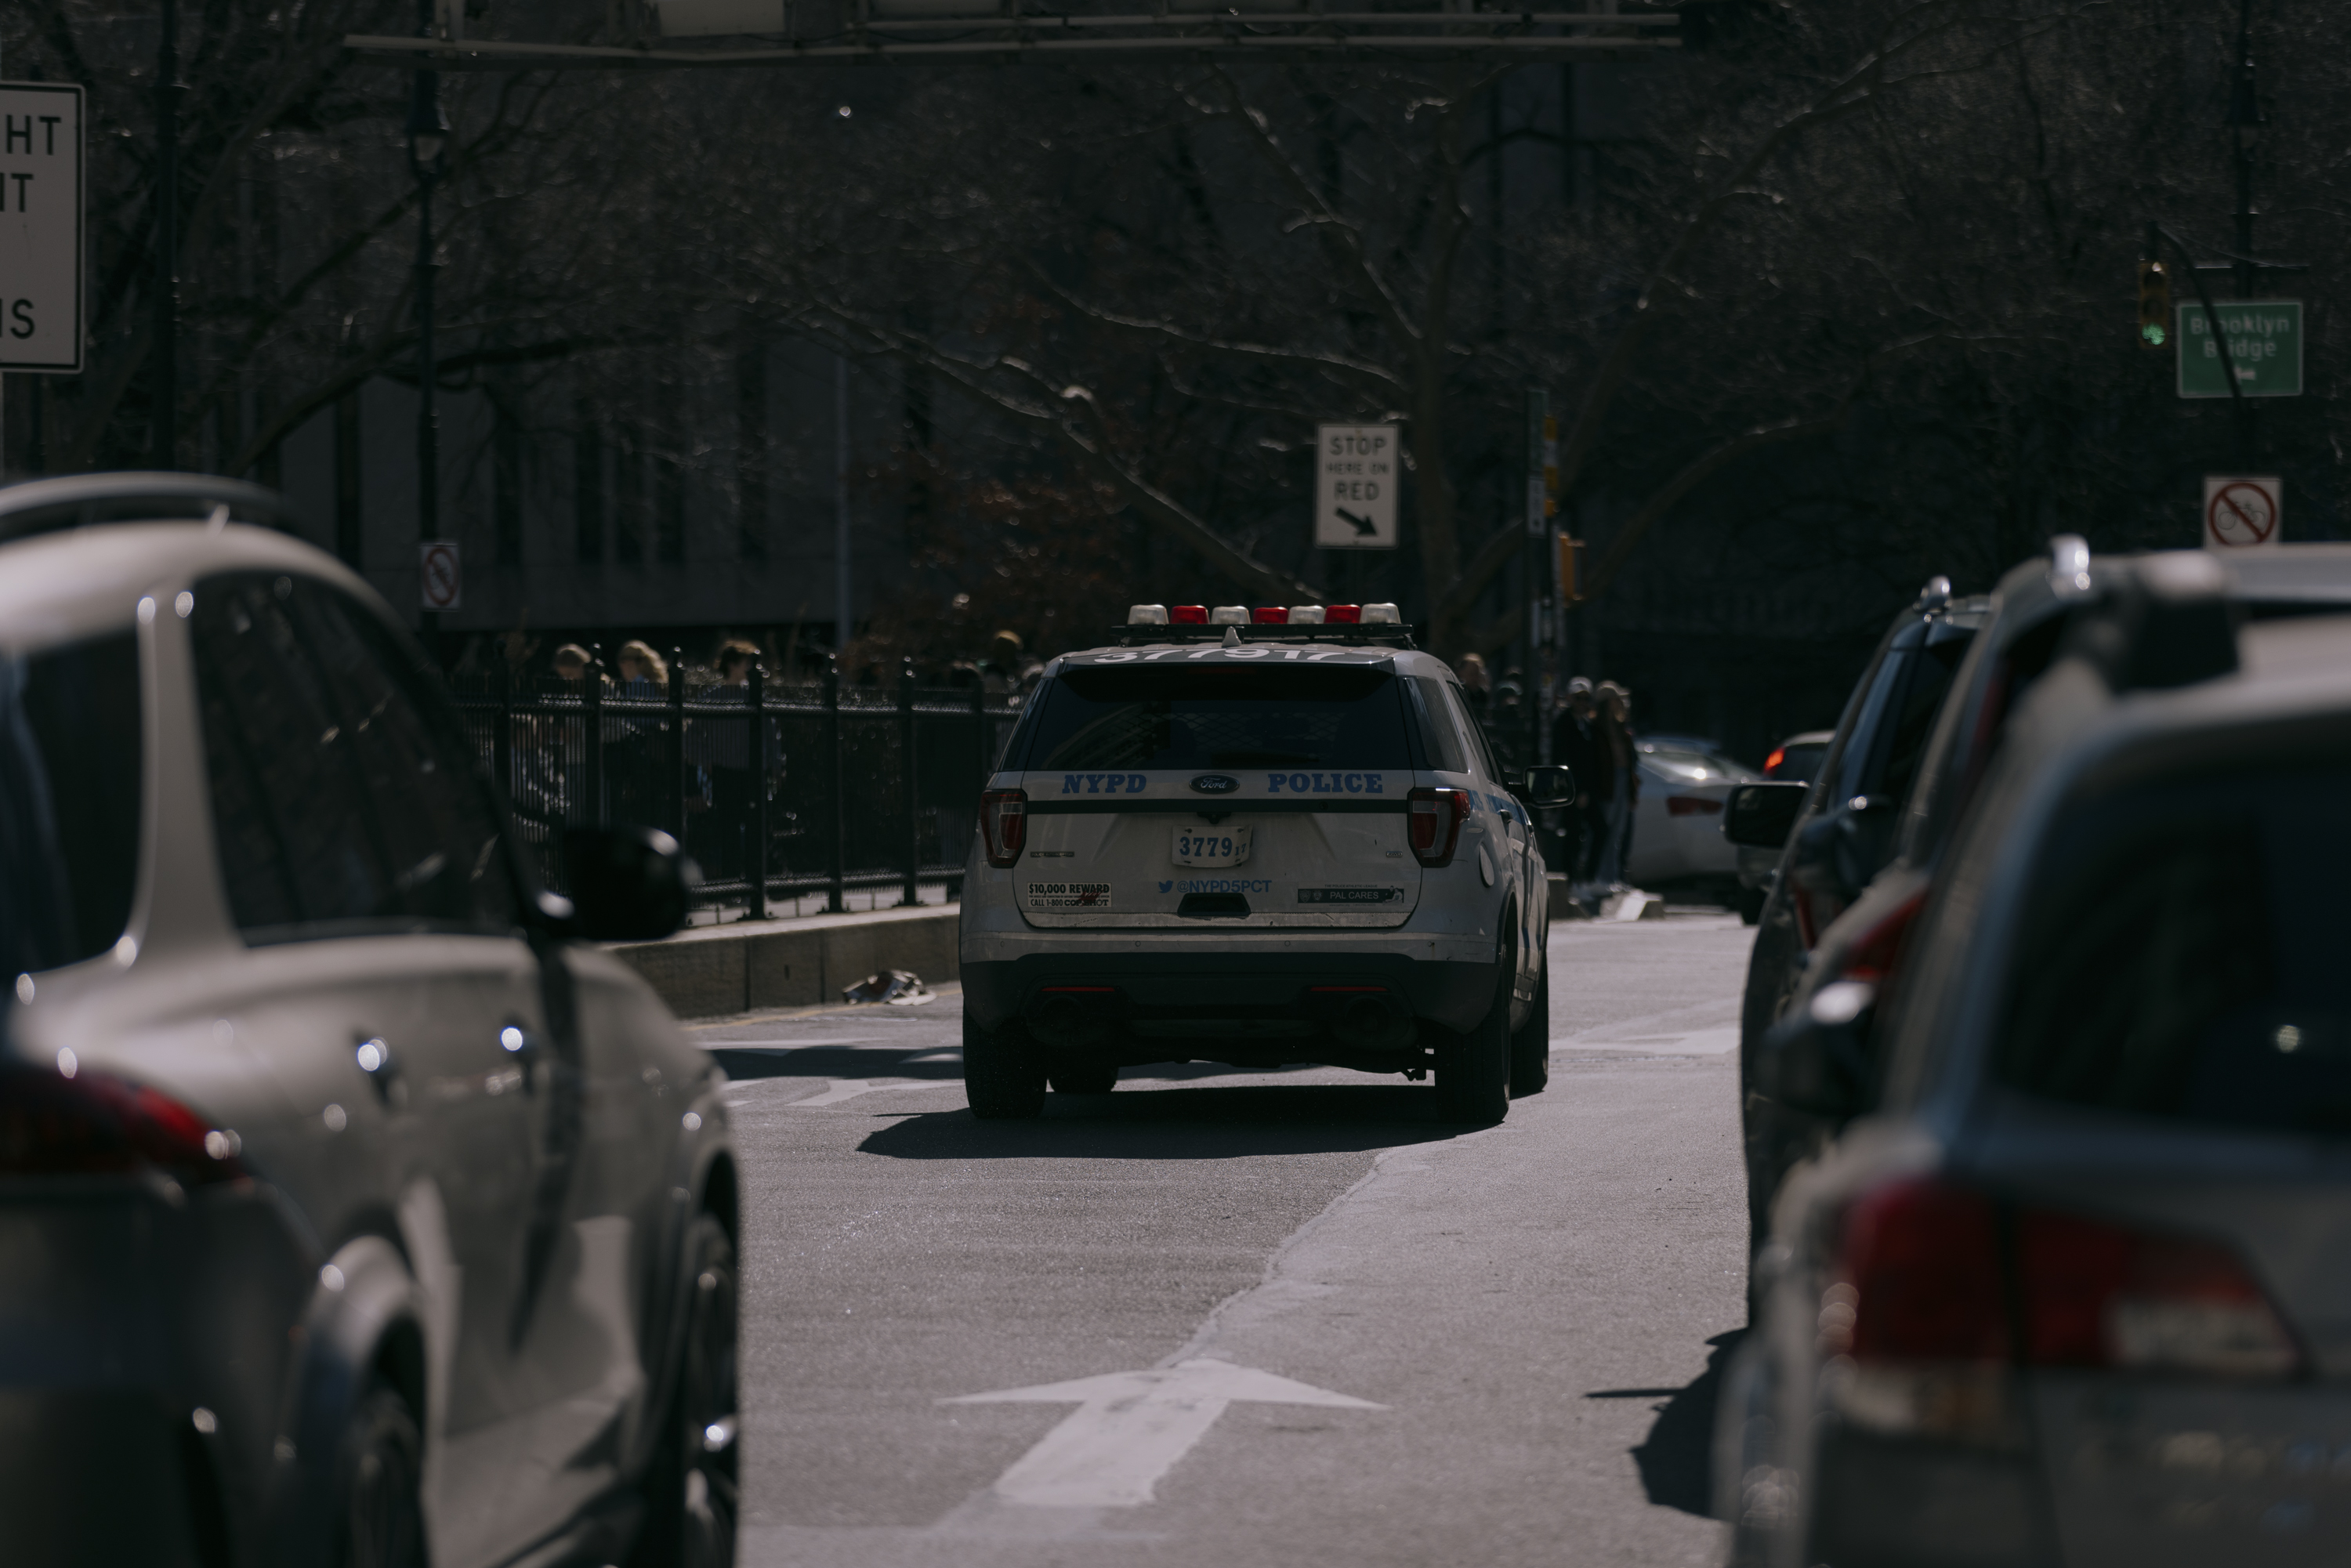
[714, 971]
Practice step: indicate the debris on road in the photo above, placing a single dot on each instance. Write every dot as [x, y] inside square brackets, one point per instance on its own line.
[894, 987]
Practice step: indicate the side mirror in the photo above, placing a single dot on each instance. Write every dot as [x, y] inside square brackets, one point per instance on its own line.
[1817, 1061]
[1761, 816]
[628, 884]
[1550, 785]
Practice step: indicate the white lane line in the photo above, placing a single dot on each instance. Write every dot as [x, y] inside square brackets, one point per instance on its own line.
[1697, 1042]
[1131, 1428]
[850, 1088]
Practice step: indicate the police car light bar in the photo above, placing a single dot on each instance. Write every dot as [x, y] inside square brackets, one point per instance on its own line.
[1367, 623]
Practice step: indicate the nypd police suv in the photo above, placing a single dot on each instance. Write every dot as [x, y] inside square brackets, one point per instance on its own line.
[1256, 839]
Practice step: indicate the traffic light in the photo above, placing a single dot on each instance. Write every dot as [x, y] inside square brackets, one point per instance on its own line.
[2154, 305]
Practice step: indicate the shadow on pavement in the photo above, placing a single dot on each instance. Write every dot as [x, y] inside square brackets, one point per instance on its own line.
[1223, 1123]
[1676, 1459]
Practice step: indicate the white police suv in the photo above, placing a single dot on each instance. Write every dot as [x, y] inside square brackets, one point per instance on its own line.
[1256, 839]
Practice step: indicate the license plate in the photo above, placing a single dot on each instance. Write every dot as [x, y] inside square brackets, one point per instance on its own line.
[1211, 846]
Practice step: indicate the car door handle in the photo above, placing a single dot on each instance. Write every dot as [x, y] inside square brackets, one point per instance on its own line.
[524, 1046]
[375, 1058]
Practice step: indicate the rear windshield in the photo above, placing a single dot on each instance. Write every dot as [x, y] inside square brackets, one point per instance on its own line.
[1218, 715]
[69, 730]
[2184, 958]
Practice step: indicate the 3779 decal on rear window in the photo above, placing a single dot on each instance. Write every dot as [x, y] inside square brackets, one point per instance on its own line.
[1067, 894]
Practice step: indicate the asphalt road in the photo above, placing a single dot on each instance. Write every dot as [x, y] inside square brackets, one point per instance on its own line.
[1498, 1347]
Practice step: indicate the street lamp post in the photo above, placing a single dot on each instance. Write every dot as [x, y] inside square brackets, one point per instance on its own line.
[428, 143]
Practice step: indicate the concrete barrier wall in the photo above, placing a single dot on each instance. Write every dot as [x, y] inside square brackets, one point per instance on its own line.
[709, 971]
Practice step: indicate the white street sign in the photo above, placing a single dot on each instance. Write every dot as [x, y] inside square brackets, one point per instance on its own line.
[442, 583]
[41, 227]
[2243, 513]
[1355, 486]
[1131, 1427]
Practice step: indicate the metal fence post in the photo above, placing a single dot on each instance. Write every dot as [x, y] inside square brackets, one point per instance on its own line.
[504, 763]
[911, 788]
[756, 862]
[593, 764]
[839, 788]
[676, 757]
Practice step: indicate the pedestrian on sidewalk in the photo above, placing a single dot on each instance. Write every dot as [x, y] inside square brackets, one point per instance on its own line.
[722, 748]
[1576, 741]
[1617, 729]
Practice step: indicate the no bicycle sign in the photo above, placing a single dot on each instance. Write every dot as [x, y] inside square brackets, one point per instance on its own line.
[2242, 514]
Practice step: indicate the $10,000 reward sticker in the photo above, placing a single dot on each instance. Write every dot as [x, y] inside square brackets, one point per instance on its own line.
[1068, 896]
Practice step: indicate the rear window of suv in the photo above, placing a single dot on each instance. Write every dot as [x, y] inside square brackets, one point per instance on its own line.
[1217, 716]
[2183, 959]
[69, 772]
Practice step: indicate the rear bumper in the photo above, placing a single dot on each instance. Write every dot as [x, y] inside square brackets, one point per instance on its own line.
[1276, 1002]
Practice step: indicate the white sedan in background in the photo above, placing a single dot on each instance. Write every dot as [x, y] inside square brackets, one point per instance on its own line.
[1678, 841]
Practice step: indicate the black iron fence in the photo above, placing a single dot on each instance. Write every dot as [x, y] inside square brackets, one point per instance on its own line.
[778, 789]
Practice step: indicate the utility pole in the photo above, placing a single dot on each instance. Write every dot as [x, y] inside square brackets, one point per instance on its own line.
[428, 143]
[1533, 574]
[2245, 122]
[843, 617]
[164, 426]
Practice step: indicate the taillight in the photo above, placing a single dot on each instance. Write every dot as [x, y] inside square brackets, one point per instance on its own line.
[1771, 763]
[2099, 1295]
[1343, 615]
[1692, 806]
[1187, 615]
[75, 1121]
[1936, 1283]
[1877, 951]
[1436, 823]
[1003, 824]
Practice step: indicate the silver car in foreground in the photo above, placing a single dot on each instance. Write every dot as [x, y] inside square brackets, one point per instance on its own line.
[2077, 1289]
[350, 1210]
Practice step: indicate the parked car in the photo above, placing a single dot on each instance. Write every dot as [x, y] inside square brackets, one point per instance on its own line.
[355, 1209]
[2070, 1288]
[1796, 760]
[1837, 830]
[2033, 610]
[1256, 844]
[1677, 842]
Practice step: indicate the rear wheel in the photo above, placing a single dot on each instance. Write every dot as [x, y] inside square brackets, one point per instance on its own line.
[690, 1487]
[1473, 1070]
[1084, 1076]
[1531, 1045]
[1003, 1075]
[379, 1475]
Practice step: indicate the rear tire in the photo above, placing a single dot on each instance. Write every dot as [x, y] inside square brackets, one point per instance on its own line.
[692, 1487]
[1003, 1075]
[379, 1474]
[1473, 1070]
[1084, 1076]
[1530, 1046]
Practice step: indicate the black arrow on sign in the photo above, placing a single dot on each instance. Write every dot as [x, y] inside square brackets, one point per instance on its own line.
[1364, 527]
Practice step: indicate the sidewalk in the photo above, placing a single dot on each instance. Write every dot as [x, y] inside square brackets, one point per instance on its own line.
[712, 971]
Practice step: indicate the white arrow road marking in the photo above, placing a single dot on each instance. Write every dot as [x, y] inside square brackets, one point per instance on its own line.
[1131, 1427]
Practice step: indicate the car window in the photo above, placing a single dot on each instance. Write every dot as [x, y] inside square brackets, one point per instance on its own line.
[1467, 720]
[1883, 755]
[1218, 715]
[2181, 959]
[69, 801]
[1445, 727]
[337, 805]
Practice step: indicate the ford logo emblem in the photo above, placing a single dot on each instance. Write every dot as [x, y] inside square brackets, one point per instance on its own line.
[1216, 784]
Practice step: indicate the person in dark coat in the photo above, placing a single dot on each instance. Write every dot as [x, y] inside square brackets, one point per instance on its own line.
[1577, 741]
